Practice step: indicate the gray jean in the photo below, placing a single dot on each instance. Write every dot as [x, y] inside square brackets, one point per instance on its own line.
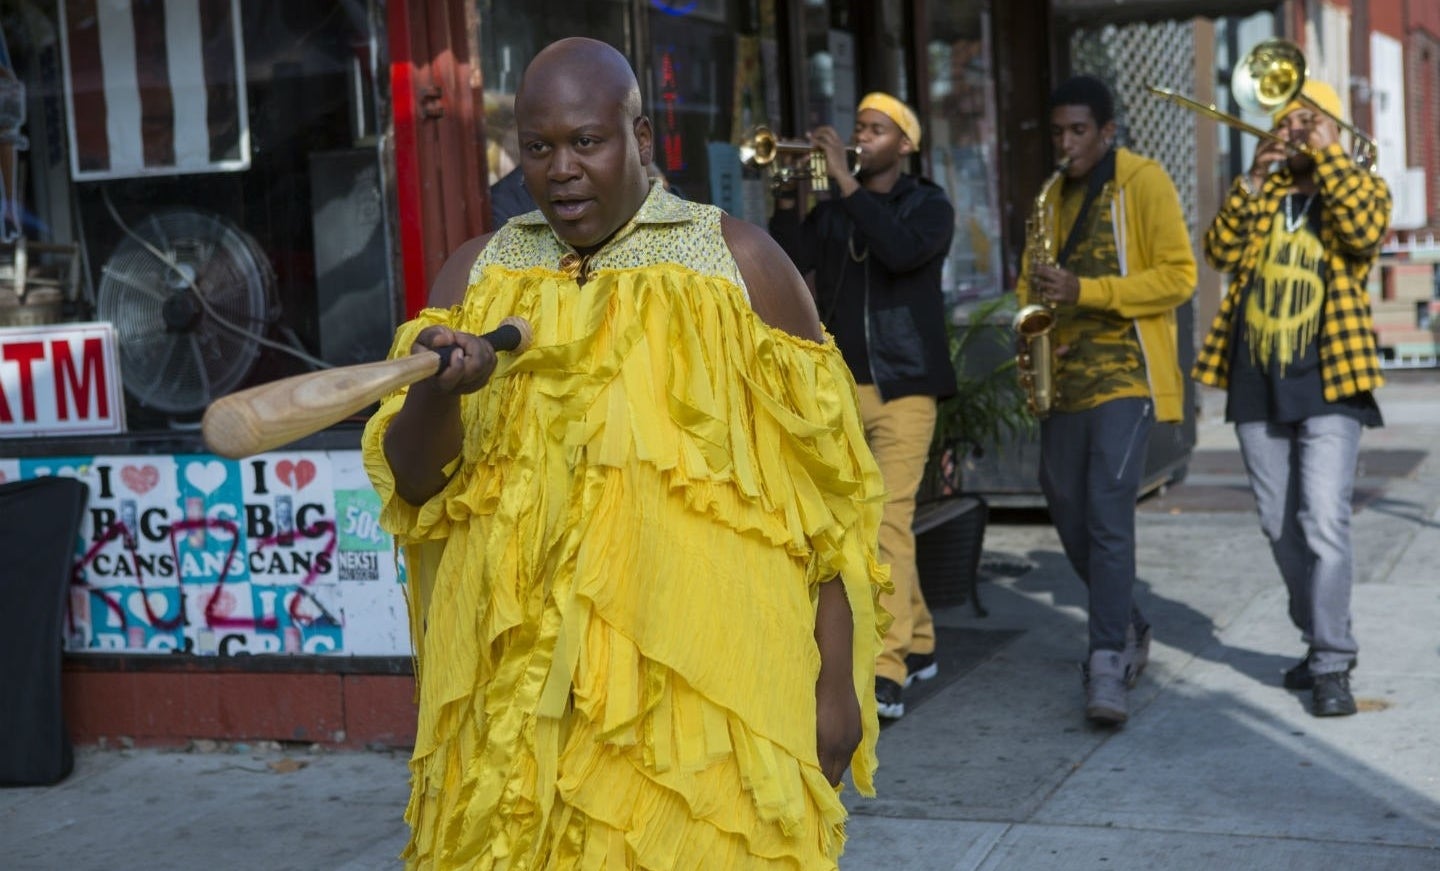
[1303, 475]
[1090, 467]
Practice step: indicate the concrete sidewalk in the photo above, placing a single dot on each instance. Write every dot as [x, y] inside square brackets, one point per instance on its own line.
[1218, 767]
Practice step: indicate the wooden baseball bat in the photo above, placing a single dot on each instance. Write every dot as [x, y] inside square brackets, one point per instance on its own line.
[266, 416]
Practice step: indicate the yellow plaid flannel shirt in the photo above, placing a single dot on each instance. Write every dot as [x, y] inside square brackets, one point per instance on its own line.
[1356, 210]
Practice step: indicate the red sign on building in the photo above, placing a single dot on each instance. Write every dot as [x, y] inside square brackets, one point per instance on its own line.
[60, 380]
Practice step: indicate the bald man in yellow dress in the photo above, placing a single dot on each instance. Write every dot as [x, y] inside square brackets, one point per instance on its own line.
[642, 564]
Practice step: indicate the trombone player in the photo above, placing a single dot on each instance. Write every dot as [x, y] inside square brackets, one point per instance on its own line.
[1293, 346]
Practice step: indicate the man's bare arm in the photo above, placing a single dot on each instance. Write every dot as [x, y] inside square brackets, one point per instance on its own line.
[838, 728]
[778, 294]
[425, 435]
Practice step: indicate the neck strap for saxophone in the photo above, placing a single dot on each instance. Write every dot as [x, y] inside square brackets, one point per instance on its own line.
[1102, 172]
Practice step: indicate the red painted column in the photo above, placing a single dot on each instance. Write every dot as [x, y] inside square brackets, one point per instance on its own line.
[409, 208]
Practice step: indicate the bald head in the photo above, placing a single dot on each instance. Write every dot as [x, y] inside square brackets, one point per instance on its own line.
[584, 145]
[590, 67]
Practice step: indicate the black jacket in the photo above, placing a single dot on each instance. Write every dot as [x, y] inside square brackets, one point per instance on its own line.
[508, 197]
[877, 261]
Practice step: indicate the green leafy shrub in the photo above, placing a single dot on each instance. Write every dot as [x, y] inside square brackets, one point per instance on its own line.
[988, 407]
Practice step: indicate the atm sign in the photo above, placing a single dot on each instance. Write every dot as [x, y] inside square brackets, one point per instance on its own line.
[60, 380]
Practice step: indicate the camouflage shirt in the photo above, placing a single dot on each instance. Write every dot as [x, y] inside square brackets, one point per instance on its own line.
[1103, 360]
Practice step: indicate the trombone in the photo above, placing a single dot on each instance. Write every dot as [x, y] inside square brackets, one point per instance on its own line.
[1269, 76]
[761, 148]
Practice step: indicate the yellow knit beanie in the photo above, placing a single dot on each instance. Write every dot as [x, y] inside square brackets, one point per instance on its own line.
[903, 116]
[1318, 93]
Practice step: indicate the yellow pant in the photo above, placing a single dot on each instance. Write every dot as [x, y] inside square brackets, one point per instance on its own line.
[899, 433]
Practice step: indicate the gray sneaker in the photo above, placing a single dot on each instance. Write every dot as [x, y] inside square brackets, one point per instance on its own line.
[1136, 654]
[1106, 679]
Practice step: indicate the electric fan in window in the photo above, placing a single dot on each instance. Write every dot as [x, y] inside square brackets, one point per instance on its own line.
[190, 296]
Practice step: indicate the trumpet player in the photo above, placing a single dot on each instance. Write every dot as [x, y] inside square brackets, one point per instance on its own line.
[875, 251]
[1293, 346]
[1124, 264]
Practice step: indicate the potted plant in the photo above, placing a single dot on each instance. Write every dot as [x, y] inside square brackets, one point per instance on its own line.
[987, 408]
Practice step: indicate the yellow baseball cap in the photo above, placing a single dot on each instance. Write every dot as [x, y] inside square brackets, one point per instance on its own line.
[903, 116]
[1318, 93]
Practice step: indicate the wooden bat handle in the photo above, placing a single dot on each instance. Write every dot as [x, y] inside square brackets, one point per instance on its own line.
[269, 415]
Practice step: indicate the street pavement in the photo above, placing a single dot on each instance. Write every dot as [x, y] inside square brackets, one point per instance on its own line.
[1218, 767]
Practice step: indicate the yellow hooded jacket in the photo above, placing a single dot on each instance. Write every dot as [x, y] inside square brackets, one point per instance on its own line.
[1157, 271]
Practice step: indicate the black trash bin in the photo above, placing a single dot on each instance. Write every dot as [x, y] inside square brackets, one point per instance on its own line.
[39, 520]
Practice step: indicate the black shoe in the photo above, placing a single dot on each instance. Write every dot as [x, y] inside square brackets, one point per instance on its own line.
[889, 699]
[920, 666]
[1300, 678]
[1332, 695]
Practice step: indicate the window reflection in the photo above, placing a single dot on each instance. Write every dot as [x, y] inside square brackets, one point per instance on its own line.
[692, 67]
[206, 176]
[707, 70]
[830, 66]
[962, 141]
[511, 34]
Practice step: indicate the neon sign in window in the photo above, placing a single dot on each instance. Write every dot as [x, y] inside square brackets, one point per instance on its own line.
[672, 141]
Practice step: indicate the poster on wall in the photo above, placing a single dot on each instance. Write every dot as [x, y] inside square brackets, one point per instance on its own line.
[154, 88]
[192, 553]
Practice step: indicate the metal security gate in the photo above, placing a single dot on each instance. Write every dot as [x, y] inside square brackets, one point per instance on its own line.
[1130, 56]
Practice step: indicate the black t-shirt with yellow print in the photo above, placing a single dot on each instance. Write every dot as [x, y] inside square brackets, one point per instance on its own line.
[1103, 360]
[1275, 357]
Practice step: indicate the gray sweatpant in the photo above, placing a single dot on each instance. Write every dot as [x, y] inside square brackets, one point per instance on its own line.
[1303, 475]
[1091, 463]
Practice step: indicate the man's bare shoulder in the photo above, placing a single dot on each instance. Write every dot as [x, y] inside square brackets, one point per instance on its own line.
[453, 278]
[777, 292]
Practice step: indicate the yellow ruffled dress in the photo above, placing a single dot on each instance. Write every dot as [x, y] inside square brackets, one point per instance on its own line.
[613, 599]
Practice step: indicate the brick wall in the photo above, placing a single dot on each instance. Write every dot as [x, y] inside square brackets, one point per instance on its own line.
[1423, 15]
[173, 705]
[1422, 113]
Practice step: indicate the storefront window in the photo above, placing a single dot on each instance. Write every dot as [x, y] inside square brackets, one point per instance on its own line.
[204, 176]
[692, 61]
[963, 145]
[703, 65]
[512, 33]
[830, 66]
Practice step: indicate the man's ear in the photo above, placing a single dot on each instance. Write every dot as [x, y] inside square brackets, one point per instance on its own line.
[645, 139]
[906, 146]
[1108, 131]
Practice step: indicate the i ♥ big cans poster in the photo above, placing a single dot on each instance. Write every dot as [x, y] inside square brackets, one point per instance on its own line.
[278, 553]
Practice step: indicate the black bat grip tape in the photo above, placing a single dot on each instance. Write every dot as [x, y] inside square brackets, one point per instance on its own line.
[506, 338]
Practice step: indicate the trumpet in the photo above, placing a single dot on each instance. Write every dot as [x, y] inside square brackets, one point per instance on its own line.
[1270, 75]
[761, 148]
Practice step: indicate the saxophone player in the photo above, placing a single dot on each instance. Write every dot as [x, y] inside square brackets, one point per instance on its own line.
[1122, 263]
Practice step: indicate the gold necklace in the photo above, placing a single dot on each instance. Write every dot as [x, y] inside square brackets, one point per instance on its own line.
[850, 244]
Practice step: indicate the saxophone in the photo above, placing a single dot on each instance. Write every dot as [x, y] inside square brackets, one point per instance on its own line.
[1032, 323]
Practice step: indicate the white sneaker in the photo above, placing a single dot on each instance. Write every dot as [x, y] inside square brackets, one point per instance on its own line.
[889, 699]
[920, 666]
